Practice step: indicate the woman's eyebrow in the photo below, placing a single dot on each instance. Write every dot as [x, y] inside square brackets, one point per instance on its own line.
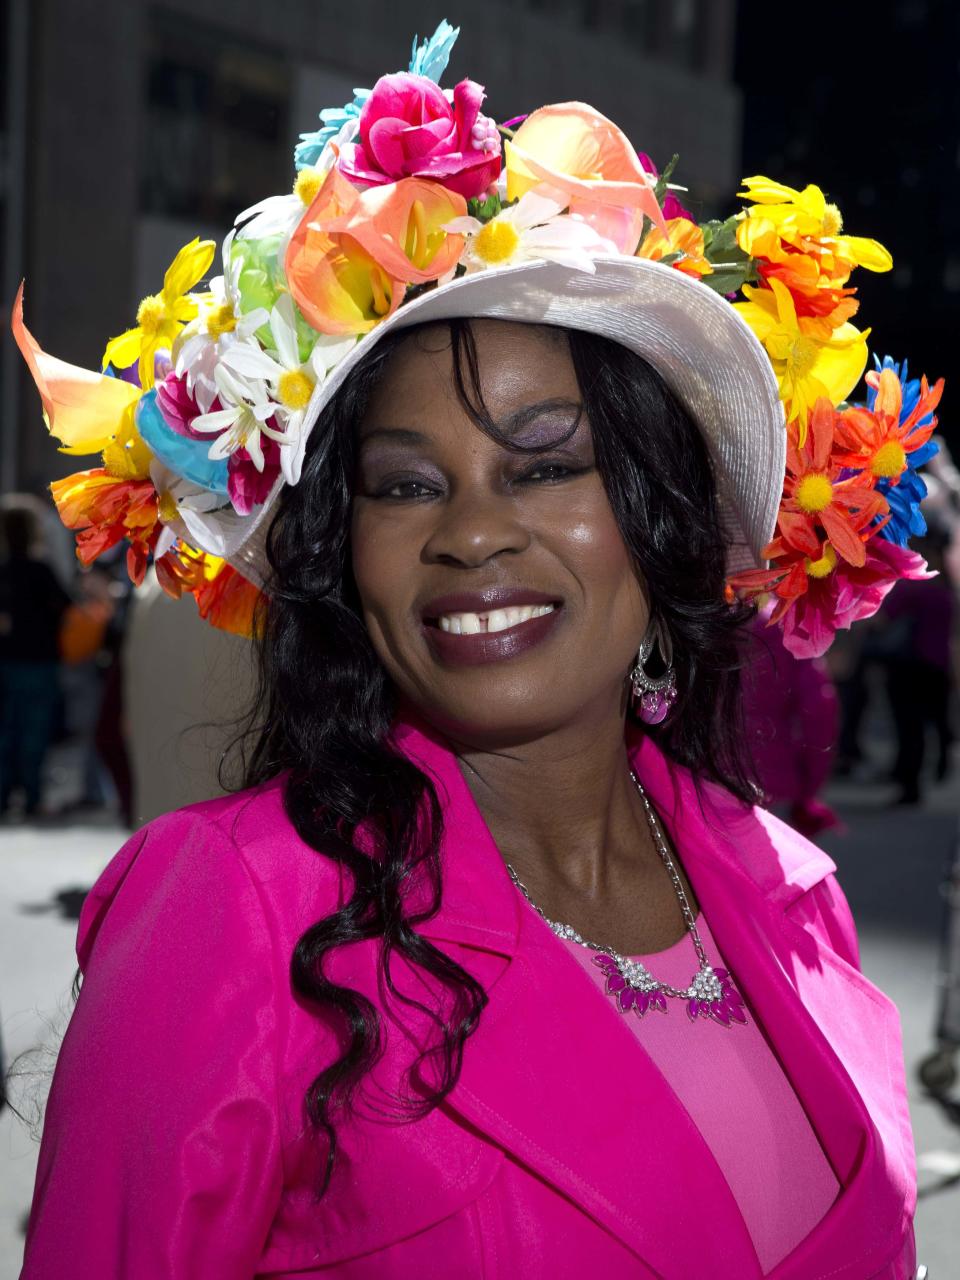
[396, 435]
[514, 422]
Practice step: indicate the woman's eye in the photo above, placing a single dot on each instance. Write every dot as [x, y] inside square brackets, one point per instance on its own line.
[403, 489]
[548, 472]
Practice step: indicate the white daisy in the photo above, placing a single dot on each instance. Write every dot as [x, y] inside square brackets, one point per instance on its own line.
[220, 322]
[183, 509]
[295, 385]
[240, 424]
[533, 228]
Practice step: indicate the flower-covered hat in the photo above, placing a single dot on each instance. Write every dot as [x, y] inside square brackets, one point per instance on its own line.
[410, 205]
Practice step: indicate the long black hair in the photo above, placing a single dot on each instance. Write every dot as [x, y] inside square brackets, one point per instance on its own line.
[325, 702]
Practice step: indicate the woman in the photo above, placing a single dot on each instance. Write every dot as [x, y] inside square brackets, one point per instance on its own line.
[419, 1001]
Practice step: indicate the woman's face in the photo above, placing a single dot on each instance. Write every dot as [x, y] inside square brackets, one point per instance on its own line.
[495, 585]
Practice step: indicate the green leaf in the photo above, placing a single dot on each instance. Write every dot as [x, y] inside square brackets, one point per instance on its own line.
[488, 208]
[666, 173]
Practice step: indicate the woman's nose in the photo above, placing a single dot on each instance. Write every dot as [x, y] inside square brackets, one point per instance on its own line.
[474, 527]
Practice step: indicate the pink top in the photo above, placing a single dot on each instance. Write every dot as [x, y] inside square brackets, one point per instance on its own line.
[771, 1158]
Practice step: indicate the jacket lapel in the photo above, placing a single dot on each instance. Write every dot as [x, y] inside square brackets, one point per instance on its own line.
[554, 1076]
[836, 1035]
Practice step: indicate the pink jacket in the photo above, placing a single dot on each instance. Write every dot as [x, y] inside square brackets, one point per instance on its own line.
[175, 1144]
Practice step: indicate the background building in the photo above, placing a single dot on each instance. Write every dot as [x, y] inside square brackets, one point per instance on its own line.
[129, 127]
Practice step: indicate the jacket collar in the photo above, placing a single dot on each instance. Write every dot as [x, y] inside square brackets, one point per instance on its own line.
[549, 1069]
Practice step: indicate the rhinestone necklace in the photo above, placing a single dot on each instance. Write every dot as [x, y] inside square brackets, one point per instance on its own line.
[711, 993]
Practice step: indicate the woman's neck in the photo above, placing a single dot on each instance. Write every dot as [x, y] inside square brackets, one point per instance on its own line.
[561, 807]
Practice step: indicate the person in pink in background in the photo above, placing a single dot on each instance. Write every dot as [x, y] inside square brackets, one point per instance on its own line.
[792, 721]
[495, 967]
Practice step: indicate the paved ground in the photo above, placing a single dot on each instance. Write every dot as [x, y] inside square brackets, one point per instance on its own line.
[891, 863]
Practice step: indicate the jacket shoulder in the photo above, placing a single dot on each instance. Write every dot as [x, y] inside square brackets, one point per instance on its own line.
[781, 862]
[243, 846]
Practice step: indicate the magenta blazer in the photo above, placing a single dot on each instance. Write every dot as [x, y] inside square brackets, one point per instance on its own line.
[175, 1143]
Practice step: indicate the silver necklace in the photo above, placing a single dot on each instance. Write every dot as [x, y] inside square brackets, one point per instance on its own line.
[711, 993]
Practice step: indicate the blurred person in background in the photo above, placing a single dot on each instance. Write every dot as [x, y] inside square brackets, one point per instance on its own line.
[32, 607]
[791, 719]
[920, 618]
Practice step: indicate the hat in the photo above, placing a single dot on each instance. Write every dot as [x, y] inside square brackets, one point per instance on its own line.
[411, 206]
[707, 355]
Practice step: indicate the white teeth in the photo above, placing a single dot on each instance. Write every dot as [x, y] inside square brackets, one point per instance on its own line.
[471, 624]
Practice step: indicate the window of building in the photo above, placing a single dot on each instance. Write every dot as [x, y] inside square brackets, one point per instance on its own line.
[216, 123]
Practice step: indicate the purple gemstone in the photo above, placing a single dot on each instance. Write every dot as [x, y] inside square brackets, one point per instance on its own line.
[735, 1012]
[605, 963]
[627, 998]
[720, 1013]
[732, 995]
[616, 983]
[693, 1008]
[705, 1007]
[659, 1000]
[642, 1002]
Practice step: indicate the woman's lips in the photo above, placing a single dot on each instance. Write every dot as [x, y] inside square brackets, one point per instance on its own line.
[485, 646]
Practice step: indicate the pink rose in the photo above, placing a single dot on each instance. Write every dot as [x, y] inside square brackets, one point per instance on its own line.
[408, 129]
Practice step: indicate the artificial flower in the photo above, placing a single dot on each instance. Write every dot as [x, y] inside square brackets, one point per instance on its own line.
[682, 241]
[320, 148]
[337, 285]
[431, 57]
[224, 597]
[851, 593]
[589, 165]
[161, 316]
[400, 226]
[818, 493]
[249, 483]
[128, 456]
[242, 421]
[805, 220]
[163, 420]
[906, 517]
[408, 129]
[104, 511]
[535, 227]
[818, 596]
[880, 439]
[182, 508]
[806, 367]
[296, 385]
[82, 409]
[220, 320]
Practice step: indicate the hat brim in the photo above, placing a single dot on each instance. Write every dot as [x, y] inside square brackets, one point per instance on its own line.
[697, 342]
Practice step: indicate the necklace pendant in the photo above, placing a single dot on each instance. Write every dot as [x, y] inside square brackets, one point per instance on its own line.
[713, 995]
[710, 995]
[632, 985]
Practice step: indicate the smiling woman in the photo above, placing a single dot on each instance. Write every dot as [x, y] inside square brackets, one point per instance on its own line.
[495, 967]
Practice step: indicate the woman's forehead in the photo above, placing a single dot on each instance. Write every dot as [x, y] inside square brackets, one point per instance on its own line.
[516, 365]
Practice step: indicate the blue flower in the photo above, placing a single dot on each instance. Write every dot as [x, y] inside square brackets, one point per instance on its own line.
[906, 518]
[430, 59]
[427, 59]
[188, 458]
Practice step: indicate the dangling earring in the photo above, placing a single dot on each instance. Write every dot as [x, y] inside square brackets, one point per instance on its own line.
[656, 694]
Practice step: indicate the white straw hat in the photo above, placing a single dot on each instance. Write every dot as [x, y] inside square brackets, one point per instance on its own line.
[691, 335]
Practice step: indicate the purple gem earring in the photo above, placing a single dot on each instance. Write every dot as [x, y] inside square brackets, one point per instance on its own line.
[655, 694]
